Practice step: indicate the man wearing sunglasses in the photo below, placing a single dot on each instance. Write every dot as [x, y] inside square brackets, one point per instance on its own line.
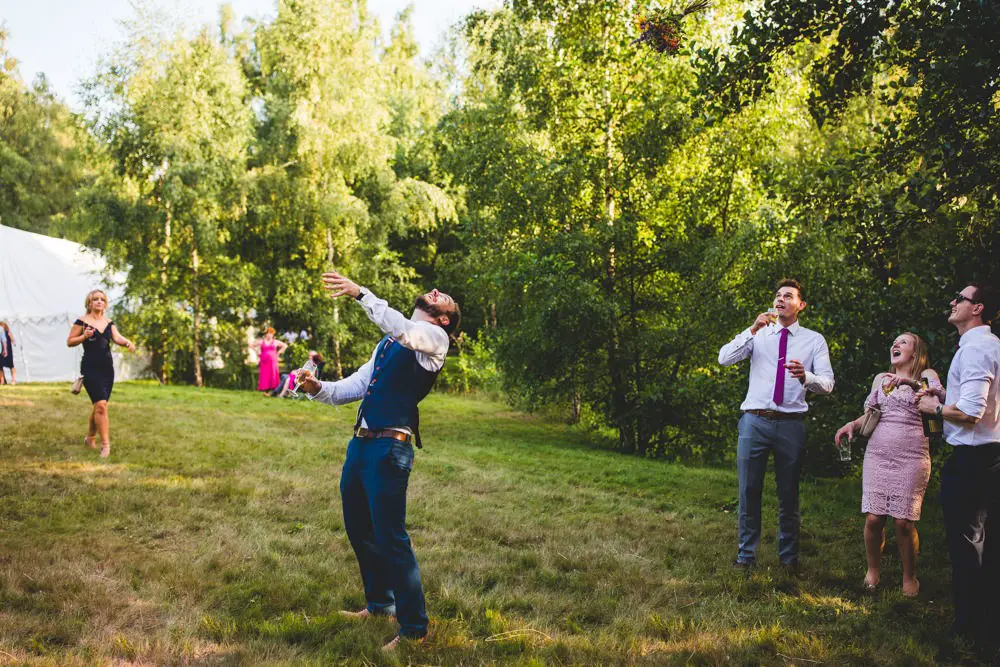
[970, 480]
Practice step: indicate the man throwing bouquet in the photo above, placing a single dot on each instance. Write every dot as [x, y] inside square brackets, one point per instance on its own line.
[373, 482]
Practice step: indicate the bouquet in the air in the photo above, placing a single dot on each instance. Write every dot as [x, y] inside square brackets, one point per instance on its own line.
[661, 29]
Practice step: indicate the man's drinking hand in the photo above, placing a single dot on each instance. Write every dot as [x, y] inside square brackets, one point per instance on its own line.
[307, 382]
[762, 321]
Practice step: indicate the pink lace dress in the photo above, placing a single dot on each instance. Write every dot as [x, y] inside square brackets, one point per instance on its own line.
[897, 461]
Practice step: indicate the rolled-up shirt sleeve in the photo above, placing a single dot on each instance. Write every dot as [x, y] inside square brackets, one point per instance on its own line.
[348, 390]
[428, 340]
[820, 380]
[974, 389]
[737, 349]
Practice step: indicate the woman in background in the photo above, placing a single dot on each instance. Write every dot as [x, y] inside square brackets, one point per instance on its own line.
[897, 461]
[268, 350]
[7, 354]
[96, 333]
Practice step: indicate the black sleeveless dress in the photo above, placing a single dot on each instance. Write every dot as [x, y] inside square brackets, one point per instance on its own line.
[96, 367]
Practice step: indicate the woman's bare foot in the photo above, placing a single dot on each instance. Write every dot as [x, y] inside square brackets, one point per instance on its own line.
[90, 441]
[871, 580]
[911, 587]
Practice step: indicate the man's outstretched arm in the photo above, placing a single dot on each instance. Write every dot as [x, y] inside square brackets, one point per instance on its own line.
[348, 390]
[424, 338]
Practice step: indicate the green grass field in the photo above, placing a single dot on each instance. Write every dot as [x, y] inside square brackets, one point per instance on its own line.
[214, 536]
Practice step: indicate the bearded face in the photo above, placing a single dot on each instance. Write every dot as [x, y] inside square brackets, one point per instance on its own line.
[432, 309]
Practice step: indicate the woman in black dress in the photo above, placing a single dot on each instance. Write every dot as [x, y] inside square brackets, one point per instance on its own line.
[96, 333]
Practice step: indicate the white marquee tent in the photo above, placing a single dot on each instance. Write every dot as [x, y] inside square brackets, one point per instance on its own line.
[43, 283]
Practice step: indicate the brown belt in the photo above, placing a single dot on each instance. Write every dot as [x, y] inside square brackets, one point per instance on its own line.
[777, 416]
[368, 434]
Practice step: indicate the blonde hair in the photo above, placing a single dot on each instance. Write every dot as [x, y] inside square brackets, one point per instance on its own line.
[921, 357]
[90, 297]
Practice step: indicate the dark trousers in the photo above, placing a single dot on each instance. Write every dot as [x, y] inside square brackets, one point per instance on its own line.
[759, 437]
[373, 489]
[970, 498]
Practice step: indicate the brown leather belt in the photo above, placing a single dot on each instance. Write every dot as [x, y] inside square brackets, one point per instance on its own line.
[777, 416]
[369, 434]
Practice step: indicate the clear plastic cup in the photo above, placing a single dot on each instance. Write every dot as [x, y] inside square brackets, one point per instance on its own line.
[844, 449]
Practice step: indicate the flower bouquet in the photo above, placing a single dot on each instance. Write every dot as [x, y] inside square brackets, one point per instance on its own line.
[661, 29]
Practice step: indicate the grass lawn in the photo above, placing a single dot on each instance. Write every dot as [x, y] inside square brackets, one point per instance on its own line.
[213, 535]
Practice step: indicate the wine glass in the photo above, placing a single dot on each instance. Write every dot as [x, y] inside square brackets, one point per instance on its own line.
[309, 366]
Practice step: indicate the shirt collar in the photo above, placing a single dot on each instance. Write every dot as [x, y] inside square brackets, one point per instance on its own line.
[793, 329]
[974, 332]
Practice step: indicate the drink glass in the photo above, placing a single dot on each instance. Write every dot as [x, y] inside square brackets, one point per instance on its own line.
[308, 366]
[844, 449]
[772, 314]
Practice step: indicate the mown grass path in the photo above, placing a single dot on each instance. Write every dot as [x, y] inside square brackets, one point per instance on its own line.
[214, 535]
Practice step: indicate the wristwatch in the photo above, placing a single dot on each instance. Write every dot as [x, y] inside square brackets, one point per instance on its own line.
[939, 410]
[362, 291]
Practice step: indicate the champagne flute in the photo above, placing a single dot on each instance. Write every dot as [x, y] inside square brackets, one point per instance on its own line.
[772, 315]
[310, 367]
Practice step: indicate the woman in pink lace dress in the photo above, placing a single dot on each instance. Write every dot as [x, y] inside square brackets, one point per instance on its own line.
[268, 350]
[897, 461]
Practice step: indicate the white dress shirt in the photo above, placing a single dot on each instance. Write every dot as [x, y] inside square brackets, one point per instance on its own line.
[805, 345]
[974, 388]
[428, 340]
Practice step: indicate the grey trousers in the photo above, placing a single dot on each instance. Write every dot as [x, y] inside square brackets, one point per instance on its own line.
[759, 437]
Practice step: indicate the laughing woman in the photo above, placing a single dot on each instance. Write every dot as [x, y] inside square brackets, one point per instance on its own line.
[897, 460]
[96, 332]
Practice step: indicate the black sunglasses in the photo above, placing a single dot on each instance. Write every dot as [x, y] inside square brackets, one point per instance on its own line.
[959, 298]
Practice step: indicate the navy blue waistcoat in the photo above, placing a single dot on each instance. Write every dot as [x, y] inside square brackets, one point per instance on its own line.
[398, 383]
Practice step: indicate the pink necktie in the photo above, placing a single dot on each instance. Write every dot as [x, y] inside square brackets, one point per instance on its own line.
[779, 376]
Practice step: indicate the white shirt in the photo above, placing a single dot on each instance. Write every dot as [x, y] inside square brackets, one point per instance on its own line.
[974, 388]
[3, 340]
[806, 345]
[428, 340]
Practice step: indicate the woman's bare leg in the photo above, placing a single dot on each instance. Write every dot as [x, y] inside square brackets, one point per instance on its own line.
[90, 440]
[874, 542]
[909, 547]
[101, 419]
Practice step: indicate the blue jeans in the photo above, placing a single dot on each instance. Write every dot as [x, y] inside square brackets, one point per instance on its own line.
[373, 489]
[759, 436]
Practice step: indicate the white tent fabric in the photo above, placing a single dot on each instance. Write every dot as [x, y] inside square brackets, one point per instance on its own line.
[43, 283]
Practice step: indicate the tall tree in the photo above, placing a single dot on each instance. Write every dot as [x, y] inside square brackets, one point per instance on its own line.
[325, 189]
[173, 115]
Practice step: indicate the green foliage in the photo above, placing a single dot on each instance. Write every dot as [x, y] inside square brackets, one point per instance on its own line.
[472, 368]
[46, 154]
